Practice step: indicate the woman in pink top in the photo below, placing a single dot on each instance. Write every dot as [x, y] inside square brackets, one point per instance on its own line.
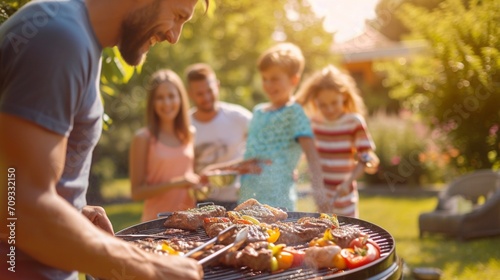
[161, 154]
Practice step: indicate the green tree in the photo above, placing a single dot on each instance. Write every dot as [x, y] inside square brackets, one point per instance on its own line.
[387, 21]
[9, 7]
[455, 86]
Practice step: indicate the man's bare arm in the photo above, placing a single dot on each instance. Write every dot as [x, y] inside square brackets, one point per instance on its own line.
[51, 230]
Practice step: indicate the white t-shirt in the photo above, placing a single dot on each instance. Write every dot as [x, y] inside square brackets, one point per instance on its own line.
[220, 140]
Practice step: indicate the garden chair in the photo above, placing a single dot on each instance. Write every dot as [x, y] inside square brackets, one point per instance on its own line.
[459, 211]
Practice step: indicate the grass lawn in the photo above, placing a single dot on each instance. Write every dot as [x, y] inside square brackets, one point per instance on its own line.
[476, 259]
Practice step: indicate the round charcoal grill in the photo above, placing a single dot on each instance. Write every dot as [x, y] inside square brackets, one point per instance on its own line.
[388, 266]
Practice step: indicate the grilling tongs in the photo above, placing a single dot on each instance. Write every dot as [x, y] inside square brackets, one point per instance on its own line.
[241, 237]
[196, 252]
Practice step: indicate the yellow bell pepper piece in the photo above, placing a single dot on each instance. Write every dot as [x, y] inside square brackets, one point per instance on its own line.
[274, 234]
[250, 219]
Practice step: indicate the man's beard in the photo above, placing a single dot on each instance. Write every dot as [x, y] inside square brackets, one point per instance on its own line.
[208, 108]
[133, 36]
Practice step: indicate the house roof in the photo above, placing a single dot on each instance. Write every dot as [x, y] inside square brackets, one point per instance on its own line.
[372, 45]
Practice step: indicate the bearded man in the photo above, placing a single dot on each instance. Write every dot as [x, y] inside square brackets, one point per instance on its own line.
[50, 122]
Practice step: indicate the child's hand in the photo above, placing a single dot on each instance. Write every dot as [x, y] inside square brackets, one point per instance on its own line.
[192, 179]
[371, 162]
[343, 189]
[322, 202]
[250, 166]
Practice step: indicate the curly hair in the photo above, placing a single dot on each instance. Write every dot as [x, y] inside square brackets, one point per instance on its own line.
[331, 78]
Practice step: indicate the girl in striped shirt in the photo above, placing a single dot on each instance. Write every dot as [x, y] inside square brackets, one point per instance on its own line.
[332, 102]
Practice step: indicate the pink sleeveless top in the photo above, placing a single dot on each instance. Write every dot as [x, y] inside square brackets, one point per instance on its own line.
[163, 164]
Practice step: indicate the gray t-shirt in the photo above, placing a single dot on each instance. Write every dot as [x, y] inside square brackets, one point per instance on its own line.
[49, 75]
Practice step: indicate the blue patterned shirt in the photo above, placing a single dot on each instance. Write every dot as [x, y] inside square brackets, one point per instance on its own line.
[274, 135]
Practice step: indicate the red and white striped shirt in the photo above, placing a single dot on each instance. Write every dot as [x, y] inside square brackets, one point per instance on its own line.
[338, 142]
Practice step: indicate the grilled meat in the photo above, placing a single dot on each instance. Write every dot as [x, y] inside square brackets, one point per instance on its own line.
[313, 222]
[163, 246]
[192, 219]
[291, 233]
[305, 229]
[255, 255]
[208, 223]
[255, 232]
[213, 229]
[183, 245]
[294, 234]
[342, 236]
[262, 212]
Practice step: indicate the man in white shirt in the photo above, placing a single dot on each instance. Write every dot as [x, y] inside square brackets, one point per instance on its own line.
[221, 129]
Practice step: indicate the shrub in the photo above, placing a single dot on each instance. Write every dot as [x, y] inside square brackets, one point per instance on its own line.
[403, 148]
[454, 86]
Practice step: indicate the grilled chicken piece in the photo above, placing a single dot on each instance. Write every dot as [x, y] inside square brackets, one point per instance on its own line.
[262, 212]
[192, 219]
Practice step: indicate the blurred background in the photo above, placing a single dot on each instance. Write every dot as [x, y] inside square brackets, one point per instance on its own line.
[429, 73]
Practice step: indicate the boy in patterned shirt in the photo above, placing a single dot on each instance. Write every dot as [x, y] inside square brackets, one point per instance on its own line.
[279, 131]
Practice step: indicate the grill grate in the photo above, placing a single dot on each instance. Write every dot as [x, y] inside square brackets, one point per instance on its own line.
[387, 267]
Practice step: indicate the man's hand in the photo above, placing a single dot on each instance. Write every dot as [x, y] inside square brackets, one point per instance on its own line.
[176, 267]
[97, 215]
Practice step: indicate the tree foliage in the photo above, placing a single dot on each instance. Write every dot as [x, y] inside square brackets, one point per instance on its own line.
[389, 24]
[8, 7]
[455, 86]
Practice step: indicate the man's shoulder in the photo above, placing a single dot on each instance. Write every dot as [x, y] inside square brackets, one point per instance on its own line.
[59, 24]
[234, 109]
